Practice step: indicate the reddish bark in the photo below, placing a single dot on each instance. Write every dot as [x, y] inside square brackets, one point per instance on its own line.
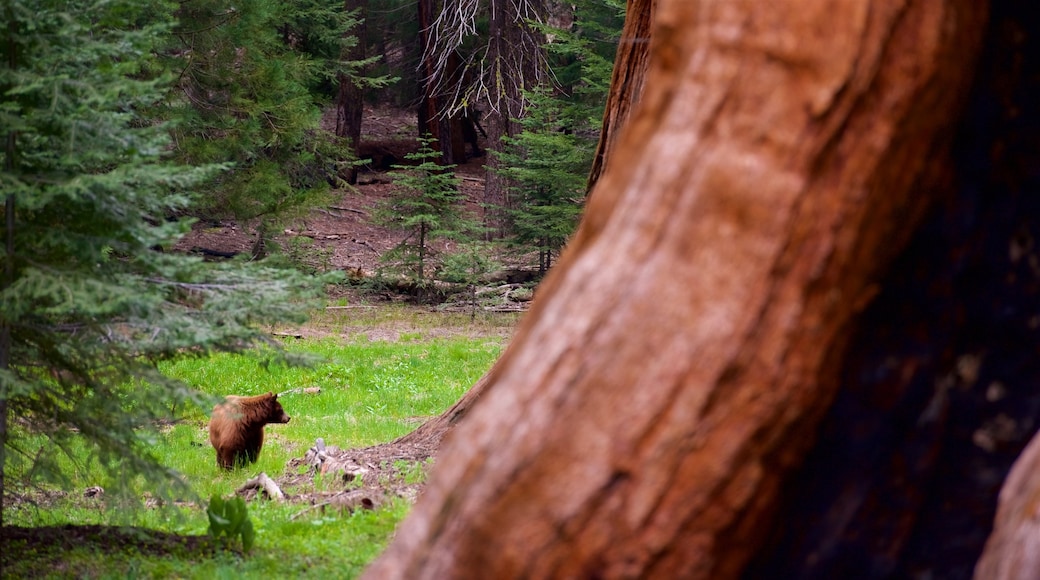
[675, 363]
[626, 82]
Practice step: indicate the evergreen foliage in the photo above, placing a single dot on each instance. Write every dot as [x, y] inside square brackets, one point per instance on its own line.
[427, 204]
[546, 166]
[582, 59]
[469, 265]
[322, 30]
[243, 95]
[90, 301]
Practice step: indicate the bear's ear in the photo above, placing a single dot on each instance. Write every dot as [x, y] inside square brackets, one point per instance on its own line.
[272, 395]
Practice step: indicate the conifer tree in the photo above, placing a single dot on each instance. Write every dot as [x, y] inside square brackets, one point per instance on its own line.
[89, 301]
[581, 57]
[247, 92]
[426, 204]
[545, 165]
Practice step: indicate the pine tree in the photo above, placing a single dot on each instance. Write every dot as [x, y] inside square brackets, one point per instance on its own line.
[427, 204]
[247, 92]
[468, 265]
[89, 301]
[546, 165]
[581, 57]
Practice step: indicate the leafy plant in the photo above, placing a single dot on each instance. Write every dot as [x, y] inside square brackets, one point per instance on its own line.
[229, 518]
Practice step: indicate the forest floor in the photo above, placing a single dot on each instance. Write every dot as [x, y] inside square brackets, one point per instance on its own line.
[340, 236]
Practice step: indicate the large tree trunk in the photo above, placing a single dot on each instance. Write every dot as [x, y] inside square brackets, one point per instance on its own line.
[350, 100]
[677, 360]
[626, 80]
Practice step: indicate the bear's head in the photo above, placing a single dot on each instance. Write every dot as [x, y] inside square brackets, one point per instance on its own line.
[275, 412]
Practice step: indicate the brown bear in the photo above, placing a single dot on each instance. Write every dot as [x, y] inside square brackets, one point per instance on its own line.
[236, 428]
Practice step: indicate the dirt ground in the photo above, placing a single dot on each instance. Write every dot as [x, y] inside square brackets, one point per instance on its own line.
[340, 237]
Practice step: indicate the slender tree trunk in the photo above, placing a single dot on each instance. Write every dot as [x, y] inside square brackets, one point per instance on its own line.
[420, 270]
[626, 82]
[5, 327]
[678, 358]
[427, 112]
[10, 150]
[350, 102]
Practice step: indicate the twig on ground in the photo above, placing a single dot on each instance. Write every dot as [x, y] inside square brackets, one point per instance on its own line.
[311, 508]
[341, 208]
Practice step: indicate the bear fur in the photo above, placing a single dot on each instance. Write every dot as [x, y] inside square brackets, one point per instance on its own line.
[236, 428]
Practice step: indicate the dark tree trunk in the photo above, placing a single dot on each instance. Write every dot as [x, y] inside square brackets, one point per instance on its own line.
[939, 389]
[350, 101]
[428, 106]
[5, 328]
[503, 98]
[515, 63]
[10, 150]
[434, 110]
[678, 359]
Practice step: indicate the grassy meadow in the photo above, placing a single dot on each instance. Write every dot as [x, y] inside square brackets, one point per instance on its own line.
[381, 371]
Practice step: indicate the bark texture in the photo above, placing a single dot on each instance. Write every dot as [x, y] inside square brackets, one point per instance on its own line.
[938, 392]
[626, 80]
[677, 360]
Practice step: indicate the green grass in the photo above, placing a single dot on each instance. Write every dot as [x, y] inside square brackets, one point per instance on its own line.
[371, 392]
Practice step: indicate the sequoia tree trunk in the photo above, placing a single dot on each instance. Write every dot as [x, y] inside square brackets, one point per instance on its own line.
[626, 80]
[675, 363]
